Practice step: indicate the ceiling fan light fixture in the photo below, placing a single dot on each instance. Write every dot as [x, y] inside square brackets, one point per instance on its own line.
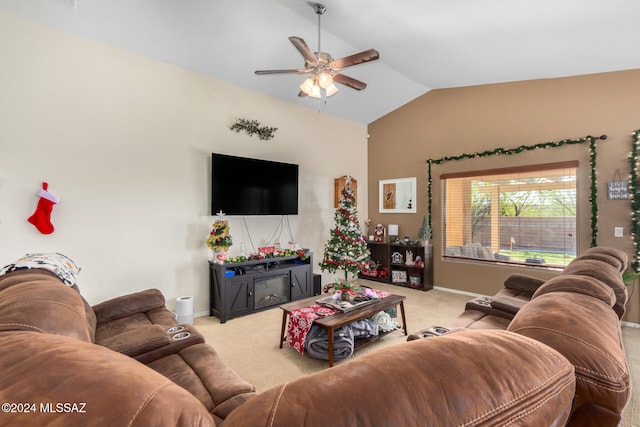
[316, 92]
[322, 69]
[325, 80]
[332, 89]
[307, 86]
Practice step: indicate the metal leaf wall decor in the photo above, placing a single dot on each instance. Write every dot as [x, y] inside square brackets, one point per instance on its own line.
[254, 127]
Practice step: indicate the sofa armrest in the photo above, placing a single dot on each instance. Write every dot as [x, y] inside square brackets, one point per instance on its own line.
[523, 283]
[138, 341]
[126, 305]
[184, 336]
[508, 304]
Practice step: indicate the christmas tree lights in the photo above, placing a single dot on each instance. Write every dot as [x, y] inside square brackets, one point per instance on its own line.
[347, 248]
[635, 200]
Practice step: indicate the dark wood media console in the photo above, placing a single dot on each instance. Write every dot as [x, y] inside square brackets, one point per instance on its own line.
[240, 288]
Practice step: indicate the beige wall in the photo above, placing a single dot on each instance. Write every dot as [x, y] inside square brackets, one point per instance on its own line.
[474, 119]
[125, 142]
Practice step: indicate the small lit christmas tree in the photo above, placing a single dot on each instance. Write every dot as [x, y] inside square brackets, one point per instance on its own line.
[347, 248]
[425, 230]
[219, 239]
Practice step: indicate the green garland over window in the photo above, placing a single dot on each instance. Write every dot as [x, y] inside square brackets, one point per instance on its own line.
[635, 199]
[517, 150]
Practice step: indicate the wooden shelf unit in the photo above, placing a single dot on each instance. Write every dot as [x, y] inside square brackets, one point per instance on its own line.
[382, 253]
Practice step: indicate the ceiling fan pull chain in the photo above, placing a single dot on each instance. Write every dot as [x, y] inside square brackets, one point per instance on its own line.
[319, 12]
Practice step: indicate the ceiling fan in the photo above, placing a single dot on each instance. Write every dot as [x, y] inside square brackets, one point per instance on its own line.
[322, 68]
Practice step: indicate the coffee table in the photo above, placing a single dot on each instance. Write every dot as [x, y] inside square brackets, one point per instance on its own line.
[338, 320]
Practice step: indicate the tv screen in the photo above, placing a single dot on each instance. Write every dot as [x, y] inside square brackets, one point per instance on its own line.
[244, 186]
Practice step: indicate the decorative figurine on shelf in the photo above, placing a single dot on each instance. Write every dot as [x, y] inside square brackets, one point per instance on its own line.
[378, 233]
[408, 257]
[370, 270]
[418, 263]
[219, 240]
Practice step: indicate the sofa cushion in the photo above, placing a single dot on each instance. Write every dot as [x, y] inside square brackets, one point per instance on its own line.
[508, 303]
[126, 305]
[161, 316]
[521, 284]
[200, 370]
[453, 251]
[138, 341]
[107, 388]
[612, 256]
[604, 272]
[37, 300]
[578, 284]
[475, 319]
[451, 380]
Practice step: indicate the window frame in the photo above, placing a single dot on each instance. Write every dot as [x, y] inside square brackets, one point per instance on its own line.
[572, 164]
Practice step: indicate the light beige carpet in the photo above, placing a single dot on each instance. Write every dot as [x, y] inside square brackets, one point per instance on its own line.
[250, 344]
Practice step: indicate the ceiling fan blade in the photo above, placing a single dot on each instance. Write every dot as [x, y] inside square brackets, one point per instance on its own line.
[349, 81]
[294, 71]
[301, 94]
[304, 50]
[355, 59]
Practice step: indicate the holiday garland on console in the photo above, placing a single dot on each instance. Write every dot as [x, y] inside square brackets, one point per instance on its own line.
[498, 151]
[347, 248]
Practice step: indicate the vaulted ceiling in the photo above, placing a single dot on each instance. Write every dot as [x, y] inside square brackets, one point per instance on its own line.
[423, 44]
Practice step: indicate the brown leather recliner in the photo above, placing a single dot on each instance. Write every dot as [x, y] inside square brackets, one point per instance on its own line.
[485, 312]
[136, 326]
[578, 314]
[574, 315]
[140, 325]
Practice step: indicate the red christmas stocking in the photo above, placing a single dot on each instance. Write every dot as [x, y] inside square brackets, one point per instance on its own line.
[41, 218]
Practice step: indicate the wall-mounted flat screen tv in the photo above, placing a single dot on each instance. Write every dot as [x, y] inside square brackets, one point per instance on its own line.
[244, 186]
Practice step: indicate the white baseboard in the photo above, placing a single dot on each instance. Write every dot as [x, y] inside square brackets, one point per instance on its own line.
[456, 291]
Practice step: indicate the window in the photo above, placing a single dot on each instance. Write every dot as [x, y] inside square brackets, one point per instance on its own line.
[524, 215]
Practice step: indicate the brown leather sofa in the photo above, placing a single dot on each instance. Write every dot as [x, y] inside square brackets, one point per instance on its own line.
[559, 360]
[576, 313]
[470, 378]
[122, 362]
[482, 369]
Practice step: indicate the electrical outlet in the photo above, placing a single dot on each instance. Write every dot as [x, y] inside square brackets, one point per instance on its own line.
[617, 232]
